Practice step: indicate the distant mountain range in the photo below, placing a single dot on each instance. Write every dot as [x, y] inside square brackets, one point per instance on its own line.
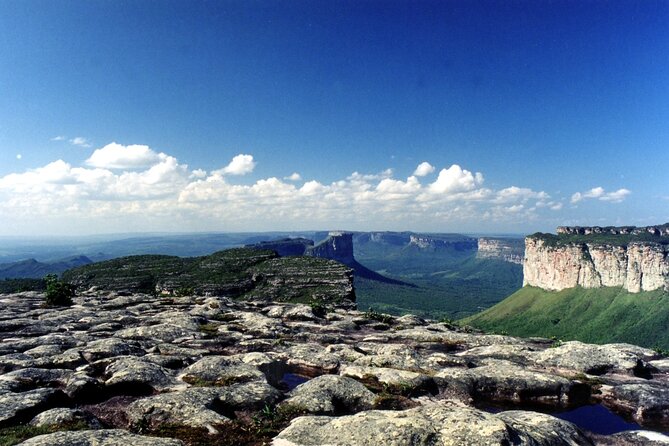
[32, 269]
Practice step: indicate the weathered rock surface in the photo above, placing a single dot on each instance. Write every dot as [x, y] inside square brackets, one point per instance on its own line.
[432, 425]
[211, 370]
[109, 437]
[332, 394]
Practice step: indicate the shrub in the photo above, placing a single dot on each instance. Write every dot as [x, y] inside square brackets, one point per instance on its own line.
[58, 292]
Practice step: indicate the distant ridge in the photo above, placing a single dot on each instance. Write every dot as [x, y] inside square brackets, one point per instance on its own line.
[32, 269]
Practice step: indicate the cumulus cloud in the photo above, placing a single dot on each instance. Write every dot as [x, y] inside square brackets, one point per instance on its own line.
[423, 169]
[80, 141]
[600, 194]
[456, 179]
[58, 138]
[240, 165]
[117, 156]
[135, 185]
[293, 177]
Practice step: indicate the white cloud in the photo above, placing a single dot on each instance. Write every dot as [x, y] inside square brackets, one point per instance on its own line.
[80, 141]
[58, 138]
[240, 165]
[455, 179]
[617, 196]
[117, 156]
[198, 173]
[600, 194]
[122, 188]
[293, 177]
[423, 169]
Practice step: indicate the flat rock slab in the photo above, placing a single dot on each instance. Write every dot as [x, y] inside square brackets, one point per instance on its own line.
[107, 437]
[595, 359]
[503, 381]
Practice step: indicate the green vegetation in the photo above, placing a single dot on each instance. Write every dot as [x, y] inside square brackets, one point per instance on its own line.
[599, 315]
[444, 291]
[20, 285]
[373, 315]
[58, 292]
[599, 239]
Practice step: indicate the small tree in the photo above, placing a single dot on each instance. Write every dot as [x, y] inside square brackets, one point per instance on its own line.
[58, 292]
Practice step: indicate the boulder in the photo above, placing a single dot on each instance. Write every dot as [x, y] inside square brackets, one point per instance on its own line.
[330, 395]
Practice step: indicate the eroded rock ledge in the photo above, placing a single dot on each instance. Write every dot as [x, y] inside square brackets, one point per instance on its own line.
[119, 370]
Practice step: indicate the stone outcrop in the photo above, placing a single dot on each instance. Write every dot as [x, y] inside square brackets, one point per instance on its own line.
[506, 249]
[589, 260]
[197, 370]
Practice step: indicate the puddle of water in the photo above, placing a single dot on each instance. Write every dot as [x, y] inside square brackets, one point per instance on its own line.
[594, 418]
[597, 419]
[291, 380]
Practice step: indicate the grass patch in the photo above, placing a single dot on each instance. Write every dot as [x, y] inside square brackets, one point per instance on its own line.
[599, 315]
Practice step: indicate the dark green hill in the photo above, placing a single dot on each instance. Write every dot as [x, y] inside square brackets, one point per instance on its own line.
[600, 315]
[243, 273]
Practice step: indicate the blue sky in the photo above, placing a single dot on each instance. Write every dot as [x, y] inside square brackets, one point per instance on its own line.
[531, 114]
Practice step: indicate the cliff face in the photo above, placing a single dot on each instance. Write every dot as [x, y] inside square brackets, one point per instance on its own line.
[635, 266]
[508, 250]
[338, 246]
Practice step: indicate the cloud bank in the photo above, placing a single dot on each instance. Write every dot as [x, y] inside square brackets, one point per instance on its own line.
[123, 188]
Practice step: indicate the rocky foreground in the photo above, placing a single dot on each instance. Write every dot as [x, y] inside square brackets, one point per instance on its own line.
[143, 370]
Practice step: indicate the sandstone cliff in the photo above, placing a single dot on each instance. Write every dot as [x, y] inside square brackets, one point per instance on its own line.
[507, 249]
[635, 259]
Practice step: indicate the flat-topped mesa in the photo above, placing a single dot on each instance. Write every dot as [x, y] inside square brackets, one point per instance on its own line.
[506, 249]
[435, 243]
[338, 246]
[636, 259]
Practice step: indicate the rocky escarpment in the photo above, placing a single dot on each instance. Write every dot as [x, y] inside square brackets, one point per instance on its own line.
[636, 259]
[139, 369]
[241, 273]
[436, 243]
[506, 249]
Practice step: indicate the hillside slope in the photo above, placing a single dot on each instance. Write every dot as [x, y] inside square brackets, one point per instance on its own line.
[598, 315]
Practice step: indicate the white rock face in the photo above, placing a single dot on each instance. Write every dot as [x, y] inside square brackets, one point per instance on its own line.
[510, 250]
[641, 266]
